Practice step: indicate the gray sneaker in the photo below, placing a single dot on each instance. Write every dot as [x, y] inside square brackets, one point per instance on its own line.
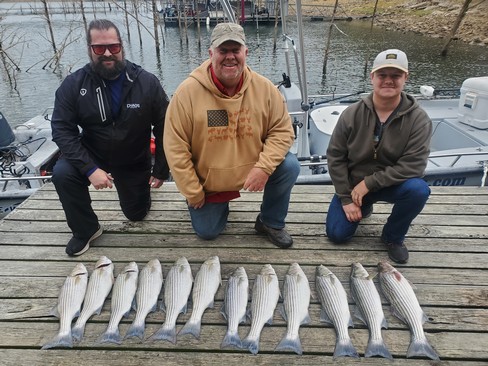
[78, 246]
[397, 252]
[278, 237]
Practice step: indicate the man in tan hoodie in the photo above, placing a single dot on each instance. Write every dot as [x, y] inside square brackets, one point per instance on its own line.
[227, 129]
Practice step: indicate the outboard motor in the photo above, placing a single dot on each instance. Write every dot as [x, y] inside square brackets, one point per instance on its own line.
[6, 134]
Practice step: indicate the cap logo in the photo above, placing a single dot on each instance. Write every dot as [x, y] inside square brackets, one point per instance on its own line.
[391, 56]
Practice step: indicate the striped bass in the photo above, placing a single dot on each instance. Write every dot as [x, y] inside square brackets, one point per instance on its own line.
[335, 310]
[265, 296]
[69, 304]
[405, 306]
[296, 301]
[235, 305]
[148, 290]
[207, 282]
[99, 286]
[369, 310]
[123, 295]
[176, 292]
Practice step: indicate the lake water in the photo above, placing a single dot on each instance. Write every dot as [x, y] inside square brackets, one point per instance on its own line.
[25, 39]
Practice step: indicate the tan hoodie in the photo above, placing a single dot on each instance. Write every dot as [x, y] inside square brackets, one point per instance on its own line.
[212, 141]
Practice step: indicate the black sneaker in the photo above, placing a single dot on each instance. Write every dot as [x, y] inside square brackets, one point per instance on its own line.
[278, 237]
[78, 246]
[368, 212]
[397, 252]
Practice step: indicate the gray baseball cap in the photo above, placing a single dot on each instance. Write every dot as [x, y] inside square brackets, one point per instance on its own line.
[224, 32]
[391, 58]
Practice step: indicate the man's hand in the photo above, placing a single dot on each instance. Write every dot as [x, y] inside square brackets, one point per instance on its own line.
[256, 180]
[353, 212]
[155, 182]
[198, 205]
[100, 179]
[359, 192]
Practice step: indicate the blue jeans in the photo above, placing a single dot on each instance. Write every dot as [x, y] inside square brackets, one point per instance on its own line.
[408, 199]
[210, 220]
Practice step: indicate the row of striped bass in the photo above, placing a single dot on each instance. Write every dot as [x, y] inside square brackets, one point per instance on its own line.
[265, 296]
[207, 282]
[405, 306]
[296, 301]
[335, 310]
[177, 290]
[69, 304]
[147, 295]
[123, 294]
[369, 310]
[99, 286]
[235, 306]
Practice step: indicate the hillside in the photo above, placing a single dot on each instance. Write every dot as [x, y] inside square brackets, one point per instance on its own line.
[434, 18]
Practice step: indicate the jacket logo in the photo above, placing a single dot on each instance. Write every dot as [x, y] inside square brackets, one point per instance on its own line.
[217, 118]
[133, 106]
[83, 92]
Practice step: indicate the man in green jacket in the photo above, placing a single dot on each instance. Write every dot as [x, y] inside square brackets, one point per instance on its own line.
[378, 152]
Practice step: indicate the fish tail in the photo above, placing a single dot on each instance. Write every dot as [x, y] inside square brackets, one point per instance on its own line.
[60, 341]
[77, 332]
[231, 340]
[421, 347]
[192, 328]
[110, 337]
[252, 345]
[293, 344]
[377, 347]
[166, 334]
[344, 347]
[135, 330]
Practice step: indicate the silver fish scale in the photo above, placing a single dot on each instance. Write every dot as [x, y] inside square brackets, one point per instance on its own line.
[98, 288]
[402, 298]
[149, 287]
[296, 301]
[69, 304]
[202, 289]
[369, 303]
[264, 300]
[236, 301]
[122, 297]
[334, 300]
[177, 279]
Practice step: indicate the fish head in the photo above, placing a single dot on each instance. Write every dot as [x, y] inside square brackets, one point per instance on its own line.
[384, 267]
[102, 262]
[181, 262]
[267, 270]
[213, 262]
[322, 271]
[240, 273]
[131, 267]
[153, 266]
[79, 270]
[294, 269]
[358, 271]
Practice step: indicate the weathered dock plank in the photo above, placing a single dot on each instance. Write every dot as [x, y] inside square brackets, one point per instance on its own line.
[448, 265]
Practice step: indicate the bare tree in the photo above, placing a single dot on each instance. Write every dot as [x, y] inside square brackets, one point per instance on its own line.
[49, 24]
[329, 36]
[455, 27]
[155, 23]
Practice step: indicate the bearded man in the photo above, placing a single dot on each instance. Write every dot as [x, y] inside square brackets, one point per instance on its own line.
[104, 114]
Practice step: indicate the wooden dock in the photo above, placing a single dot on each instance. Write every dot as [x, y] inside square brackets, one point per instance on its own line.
[448, 264]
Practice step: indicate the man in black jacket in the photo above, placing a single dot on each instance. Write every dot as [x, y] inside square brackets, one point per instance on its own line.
[102, 121]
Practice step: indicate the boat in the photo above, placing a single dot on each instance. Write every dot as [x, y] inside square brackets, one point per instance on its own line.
[27, 156]
[459, 145]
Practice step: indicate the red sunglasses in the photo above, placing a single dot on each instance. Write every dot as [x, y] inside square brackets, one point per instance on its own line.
[99, 49]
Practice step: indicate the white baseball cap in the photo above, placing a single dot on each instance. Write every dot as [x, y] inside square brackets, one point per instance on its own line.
[391, 58]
